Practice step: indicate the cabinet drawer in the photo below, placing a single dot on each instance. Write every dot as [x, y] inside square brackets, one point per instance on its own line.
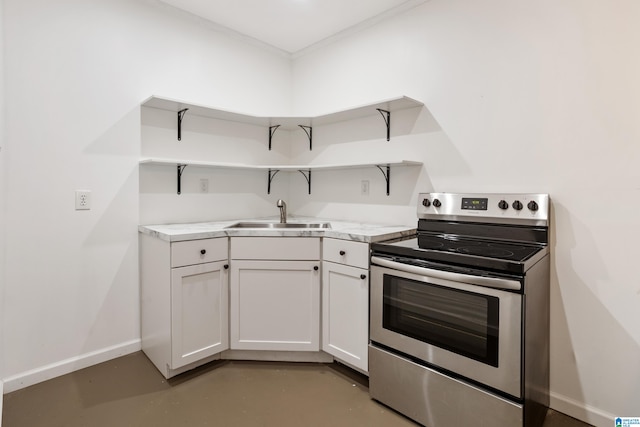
[346, 252]
[275, 248]
[193, 252]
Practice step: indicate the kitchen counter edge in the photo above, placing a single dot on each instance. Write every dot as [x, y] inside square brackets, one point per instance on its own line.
[358, 232]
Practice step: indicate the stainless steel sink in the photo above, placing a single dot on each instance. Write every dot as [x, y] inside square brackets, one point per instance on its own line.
[280, 225]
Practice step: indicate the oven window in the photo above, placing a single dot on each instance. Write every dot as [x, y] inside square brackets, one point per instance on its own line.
[459, 321]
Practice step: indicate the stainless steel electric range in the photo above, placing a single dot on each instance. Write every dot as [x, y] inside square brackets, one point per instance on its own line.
[459, 321]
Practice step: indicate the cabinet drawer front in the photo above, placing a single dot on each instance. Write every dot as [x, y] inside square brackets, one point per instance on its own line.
[275, 248]
[193, 252]
[346, 252]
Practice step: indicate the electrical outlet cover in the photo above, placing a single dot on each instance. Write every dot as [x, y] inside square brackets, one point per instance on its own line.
[364, 188]
[83, 200]
[204, 185]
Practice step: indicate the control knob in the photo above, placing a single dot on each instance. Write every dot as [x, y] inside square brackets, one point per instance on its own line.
[426, 203]
[503, 205]
[532, 205]
[436, 203]
[517, 205]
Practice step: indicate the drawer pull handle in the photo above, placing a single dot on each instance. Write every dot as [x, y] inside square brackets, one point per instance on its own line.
[363, 276]
[342, 253]
[315, 267]
[226, 266]
[203, 251]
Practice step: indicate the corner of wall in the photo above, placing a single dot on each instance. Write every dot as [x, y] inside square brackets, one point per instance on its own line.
[2, 221]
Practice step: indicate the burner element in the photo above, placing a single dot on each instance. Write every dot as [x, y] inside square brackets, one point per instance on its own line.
[511, 247]
[487, 251]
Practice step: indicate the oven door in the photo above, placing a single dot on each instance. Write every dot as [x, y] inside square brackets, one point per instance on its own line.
[450, 321]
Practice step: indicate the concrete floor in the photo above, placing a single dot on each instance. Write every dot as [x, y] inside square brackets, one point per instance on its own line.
[129, 391]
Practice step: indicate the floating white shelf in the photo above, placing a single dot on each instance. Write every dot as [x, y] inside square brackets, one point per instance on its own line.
[222, 165]
[288, 122]
[384, 108]
[180, 164]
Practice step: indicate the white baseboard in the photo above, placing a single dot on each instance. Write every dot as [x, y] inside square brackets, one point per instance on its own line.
[35, 376]
[582, 411]
[1, 394]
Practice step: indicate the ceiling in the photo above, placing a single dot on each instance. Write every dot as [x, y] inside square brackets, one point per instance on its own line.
[293, 25]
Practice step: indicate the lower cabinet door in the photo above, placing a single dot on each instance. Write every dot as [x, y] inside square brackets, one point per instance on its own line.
[345, 313]
[275, 305]
[199, 312]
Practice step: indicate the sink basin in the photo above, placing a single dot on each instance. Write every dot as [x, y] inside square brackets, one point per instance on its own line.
[279, 225]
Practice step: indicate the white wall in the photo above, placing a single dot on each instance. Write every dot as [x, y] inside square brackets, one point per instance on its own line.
[520, 96]
[2, 198]
[530, 97]
[76, 72]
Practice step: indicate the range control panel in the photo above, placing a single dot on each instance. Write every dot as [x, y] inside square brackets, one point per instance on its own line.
[516, 208]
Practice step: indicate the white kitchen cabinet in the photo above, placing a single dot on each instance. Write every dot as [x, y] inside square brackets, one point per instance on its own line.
[199, 312]
[275, 294]
[184, 302]
[345, 301]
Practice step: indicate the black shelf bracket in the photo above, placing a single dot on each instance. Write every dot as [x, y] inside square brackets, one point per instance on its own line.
[386, 115]
[180, 170]
[387, 176]
[180, 116]
[307, 176]
[272, 130]
[272, 173]
[309, 131]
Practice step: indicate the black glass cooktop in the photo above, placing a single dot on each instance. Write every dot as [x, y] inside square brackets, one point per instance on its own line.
[489, 254]
[483, 248]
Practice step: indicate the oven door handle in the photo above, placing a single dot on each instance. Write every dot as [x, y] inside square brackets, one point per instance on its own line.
[490, 282]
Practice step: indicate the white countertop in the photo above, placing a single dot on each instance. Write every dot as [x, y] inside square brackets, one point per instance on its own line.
[359, 232]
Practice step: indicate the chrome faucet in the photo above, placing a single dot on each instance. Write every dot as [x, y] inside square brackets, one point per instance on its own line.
[283, 210]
